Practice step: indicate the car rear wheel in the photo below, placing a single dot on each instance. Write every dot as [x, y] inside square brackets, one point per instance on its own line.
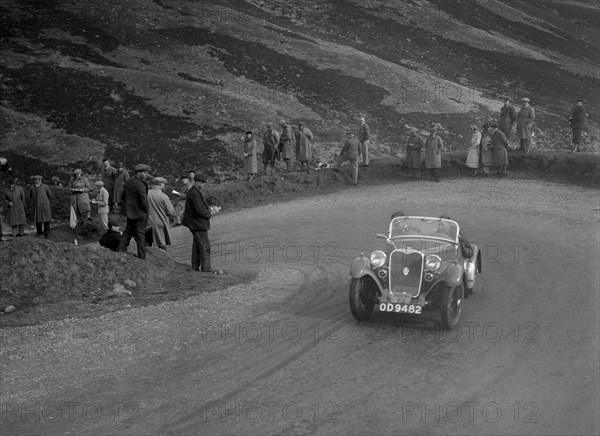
[361, 303]
[452, 299]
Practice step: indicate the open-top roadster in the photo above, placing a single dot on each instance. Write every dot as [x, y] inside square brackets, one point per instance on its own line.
[426, 265]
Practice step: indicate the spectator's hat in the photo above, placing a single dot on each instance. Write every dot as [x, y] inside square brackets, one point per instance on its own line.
[301, 123]
[579, 100]
[494, 126]
[99, 183]
[270, 124]
[185, 176]
[158, 180]
[77, 171]
[141, 167]
[121, 165]
[37, 177]
[525, 99]
[283, 123]
[199, 178]
[349, 133]
[112, 223]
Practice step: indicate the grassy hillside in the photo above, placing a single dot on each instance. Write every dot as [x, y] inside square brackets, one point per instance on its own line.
[173, 83]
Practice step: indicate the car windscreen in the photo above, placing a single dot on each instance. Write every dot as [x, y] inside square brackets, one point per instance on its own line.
[424, 226]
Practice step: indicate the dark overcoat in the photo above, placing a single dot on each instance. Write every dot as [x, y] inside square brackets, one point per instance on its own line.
[15, 214]
[196, 215]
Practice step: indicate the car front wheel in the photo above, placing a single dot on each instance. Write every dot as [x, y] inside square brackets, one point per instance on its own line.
[452, 301]
[361, 303]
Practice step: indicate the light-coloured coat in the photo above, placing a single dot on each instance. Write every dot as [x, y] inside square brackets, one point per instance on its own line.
[304, 138]
[160, 209]
[473, 155]
[250, 163]
[525, 121]
[433, 150]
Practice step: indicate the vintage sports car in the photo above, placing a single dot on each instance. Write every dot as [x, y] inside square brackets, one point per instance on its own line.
[426, 265]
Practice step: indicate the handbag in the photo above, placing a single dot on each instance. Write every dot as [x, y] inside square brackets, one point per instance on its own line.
[73, 218]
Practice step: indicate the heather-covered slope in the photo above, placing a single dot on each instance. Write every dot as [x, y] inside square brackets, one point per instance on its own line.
[173, 83]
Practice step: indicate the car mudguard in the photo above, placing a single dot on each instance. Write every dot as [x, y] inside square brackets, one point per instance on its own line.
[362, 267]
[454, 275]
[471, 267]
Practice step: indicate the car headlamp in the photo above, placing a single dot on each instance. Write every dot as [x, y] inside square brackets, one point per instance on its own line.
[377, 258]
[433, 262]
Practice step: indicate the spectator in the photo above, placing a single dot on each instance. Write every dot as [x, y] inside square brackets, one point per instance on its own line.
[304, 138]
[487, 150]
[285, 144]
[499, 143]
[473, 155]
[121, 176]
[101, 200]
[5, 170]
[577, 120]
[525, 121]
[40, 194]
[270, 144]
[160, 209]
[15, 213]
[135, 208]
[112, 238]
[191, 174]
[109, 175]
[196, 217]
[433, 154]
[80, 200]
[350, 152]
[364, 134]
[249, 148]
[413, 152]
[180, 207]
[508, 115]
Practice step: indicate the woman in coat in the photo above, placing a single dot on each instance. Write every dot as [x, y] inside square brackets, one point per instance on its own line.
[121, 176]
[433, 154]
[250, 163]
[473, 155]
[285, 144]
[304, 138]
[487, 151]
[413, 152]
[15, 213]
[80, 200]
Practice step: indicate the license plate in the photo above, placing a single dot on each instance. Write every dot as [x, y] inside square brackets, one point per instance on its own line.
[400, 308]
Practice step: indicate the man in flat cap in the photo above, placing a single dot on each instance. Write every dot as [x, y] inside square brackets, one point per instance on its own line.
[525, 121]
[304, 138]
[364, 135]
[285, 143]
[102, 200]
[508, 116]
[433, 153]
[270, 144]
[40, 194]
[135, 208]
[161, 209]
[414, 148]
[350, 152]
[121, 176]
[196, 217]
[577, 120]
[109, 174]
[499, 144]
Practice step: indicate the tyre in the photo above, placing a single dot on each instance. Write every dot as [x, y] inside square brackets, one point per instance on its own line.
[361, 303]
[452, 302]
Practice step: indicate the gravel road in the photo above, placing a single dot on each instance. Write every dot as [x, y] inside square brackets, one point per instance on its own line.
[283, 355]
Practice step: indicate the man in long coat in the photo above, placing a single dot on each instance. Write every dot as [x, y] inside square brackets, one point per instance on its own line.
[487, 150]
[180, 207]
[270, 144]
[304, 138]
[577, 123]
[350, 152]
[5, 170]
[15, 213]
[160, 210]
[499, 143]
[413, 152]
[525, 121]
[196, 217]
[135, 208]
[364, 135]
[40, 194]
[433, 154]
[285, 143]
[109, 174]
[121, 176]
[508, 115]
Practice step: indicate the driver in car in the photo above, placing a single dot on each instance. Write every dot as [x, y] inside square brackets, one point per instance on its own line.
[446, 228]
